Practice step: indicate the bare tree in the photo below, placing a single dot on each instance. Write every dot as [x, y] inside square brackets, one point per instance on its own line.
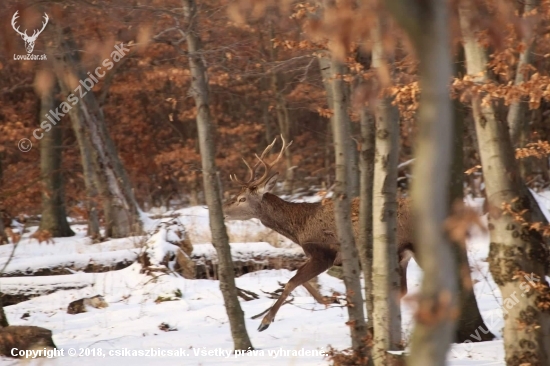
[85, 148]
[54, 216]
[516, 117]
[342, 210]
[365, 238]
[352, 165]
[470, 325]
[515, 251]
[385, 270]
[518, 113]
[121, 210]
[220, 240]
[427, 25]
[90, 177]
[283, 117]
[3, 236]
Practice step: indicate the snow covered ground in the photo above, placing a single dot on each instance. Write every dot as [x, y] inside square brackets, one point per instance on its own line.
[200, 329]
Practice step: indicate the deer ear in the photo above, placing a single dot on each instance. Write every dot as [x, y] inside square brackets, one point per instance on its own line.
[270, 184]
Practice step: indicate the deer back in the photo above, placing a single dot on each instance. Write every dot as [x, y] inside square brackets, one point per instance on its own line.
[314, 222]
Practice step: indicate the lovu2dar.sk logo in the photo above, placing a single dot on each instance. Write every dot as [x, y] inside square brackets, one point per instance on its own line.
[29, 40]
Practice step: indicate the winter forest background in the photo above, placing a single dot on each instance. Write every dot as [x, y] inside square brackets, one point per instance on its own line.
[118, 146]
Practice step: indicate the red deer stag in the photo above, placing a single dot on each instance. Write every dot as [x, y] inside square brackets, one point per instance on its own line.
[310, 225]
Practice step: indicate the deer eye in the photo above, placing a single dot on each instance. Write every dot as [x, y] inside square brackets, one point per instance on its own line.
[242, 199]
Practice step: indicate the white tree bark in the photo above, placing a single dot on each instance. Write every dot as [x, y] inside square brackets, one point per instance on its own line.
[385, 271]
[352, 166]
[517, 112]
[342, 211]
[514, 249]
[365, 241]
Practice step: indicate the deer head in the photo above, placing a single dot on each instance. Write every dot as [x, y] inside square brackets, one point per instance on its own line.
[247, 204]
[29, 40]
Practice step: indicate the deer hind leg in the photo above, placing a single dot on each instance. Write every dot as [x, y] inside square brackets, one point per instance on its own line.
[320, 260]
[314, 292]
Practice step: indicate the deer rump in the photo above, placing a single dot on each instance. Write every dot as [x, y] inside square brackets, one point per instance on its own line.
[404, 237]
[311, 225]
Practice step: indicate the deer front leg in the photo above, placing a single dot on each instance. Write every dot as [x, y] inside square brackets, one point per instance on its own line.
[320, 260]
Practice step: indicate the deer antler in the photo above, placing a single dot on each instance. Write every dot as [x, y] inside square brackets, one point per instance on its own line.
[268, 166]
[13, 19]
[252, 171]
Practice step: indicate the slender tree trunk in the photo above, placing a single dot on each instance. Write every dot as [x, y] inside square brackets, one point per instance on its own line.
[326, 75]
[91, 180]
[385, 268]
[283, 118]
[352, 154]
[327, 156]
[324, 67]
[194, 187]
[365, 240]
[54, 216]
[3, 240]
[267, 122]
[220, 240]
[3, 318]
[112, 180]
[87, 167]
[427, 24]
[470, 321]
[517, 255]
[90, 186]
[3, 236]
[354, 171]
[519, 117]
[90, 177]
[365, 237]
[342, 211]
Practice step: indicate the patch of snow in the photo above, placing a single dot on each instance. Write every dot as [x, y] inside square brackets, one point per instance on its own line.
[140, 302]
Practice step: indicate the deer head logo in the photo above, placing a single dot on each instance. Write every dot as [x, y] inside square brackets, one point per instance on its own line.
[29, 40]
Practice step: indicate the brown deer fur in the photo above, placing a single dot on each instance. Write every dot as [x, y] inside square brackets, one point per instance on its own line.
[310, 225]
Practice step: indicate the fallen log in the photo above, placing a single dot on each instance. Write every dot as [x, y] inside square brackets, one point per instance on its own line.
[247, 257]
[68, 264]
[19, 289]
[37, 279]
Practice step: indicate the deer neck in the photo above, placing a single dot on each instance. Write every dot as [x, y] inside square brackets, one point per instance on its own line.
[286, 218]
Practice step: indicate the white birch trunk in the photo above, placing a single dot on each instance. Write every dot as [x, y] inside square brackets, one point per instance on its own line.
[514, 249]
[342, 211]
[385, 271]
